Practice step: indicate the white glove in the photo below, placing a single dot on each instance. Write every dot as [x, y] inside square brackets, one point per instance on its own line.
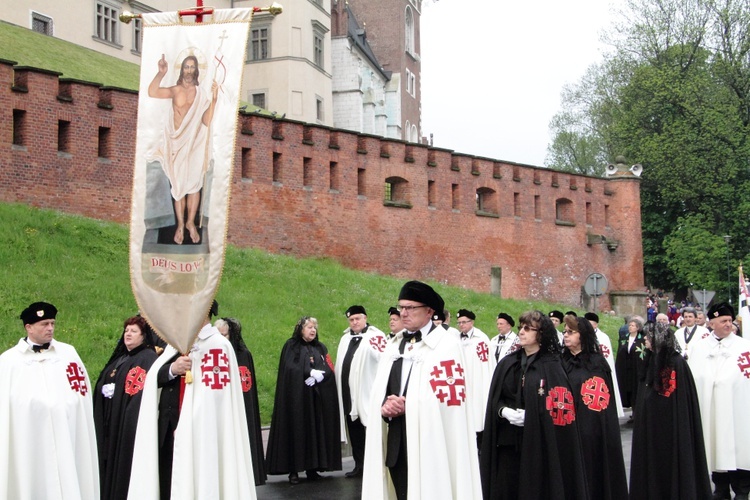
[310, 381]
[108, 390]
[317, 375]
[515, 417]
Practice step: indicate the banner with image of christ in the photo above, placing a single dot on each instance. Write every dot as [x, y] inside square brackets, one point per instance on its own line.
[191, 75]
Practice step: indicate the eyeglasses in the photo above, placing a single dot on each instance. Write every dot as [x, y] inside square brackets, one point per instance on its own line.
[464, 322]
[529, 328]
[568, 331]
[407, 309]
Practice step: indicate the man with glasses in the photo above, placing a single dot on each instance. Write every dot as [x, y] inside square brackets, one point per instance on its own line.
[426, 438]
[476, 347]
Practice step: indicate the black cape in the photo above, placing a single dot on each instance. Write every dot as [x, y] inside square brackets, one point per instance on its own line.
[305, 428]
[668, 458]
[542, 459]
[598, 425]
[252, 412]
[116, 419]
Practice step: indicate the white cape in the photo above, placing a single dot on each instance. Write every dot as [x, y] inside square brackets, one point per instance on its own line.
[722, 379]
[211, 447]
[48, 449]
[441, 438]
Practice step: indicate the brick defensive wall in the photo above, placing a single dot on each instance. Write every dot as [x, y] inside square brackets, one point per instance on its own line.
[375, 204]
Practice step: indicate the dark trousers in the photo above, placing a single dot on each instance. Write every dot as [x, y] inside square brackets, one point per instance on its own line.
[166, 453]
[739, 480]
[400, 476]
[357, 436]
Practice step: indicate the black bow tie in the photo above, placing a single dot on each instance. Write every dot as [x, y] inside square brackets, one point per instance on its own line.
[464, 335]
[501, 338]
[413, 337]
[40, 348]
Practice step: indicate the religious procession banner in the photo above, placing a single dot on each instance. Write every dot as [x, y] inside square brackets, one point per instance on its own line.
[191, 75]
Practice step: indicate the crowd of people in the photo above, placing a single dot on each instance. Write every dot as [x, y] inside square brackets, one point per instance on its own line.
[430, 411]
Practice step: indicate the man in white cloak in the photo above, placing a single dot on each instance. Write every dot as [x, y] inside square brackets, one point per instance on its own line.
[721, 367]
[357, 358]
[48, 450]
[505, 342]
[476, 346]
[211, 446]
[425, 444]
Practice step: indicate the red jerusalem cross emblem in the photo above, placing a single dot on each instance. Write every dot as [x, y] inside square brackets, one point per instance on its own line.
[743, 362]
[378, 343]
[560, 406]
[595, 394]
[215, 369]
[451, 387]
[77, 378]
[134, 381]
[482, 352]
[246, 378]
[606, 351]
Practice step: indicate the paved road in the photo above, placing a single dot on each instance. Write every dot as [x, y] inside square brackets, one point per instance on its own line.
[336, 486]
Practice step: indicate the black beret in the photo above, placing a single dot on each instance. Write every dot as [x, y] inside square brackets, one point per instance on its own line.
[571, 313]
[214, 311]
[722, 309]
[355, 310]
[556, 314]
[592, 316]
[439, 315]
[38, 311]
[392, 311]
[466, 313]
[507, 317]
[422, 293]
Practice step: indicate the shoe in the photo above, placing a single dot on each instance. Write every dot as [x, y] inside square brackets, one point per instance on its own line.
[313, 475]
[355, 472]
[293, 478]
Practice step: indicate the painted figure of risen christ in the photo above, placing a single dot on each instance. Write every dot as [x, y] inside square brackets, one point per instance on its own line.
[184, 150]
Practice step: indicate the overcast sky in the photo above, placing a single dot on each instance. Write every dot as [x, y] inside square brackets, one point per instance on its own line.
[492, 70]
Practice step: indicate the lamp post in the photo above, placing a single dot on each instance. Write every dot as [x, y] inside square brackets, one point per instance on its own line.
[729, 279]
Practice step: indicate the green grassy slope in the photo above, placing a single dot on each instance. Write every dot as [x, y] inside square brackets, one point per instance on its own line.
[81, 266]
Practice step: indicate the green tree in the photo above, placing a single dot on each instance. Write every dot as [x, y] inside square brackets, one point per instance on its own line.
[678, 103]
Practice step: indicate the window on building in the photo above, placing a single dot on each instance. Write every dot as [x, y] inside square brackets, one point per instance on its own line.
[259, 100]
[105, 139]
[19, 127]
[319, 108]
[260, 43]
[537, 207]
[247, 161]
[606, 215]
[414, 134]
[396, 191]
[589, 214]
[516, 204]
[361, 182]
[408, 82]
[333, 182]
[564, 211]
[454, 196]
[307, 172]
[63, 136]
[41, 24]
[409, 31]
[137, 35]
[407, 131]
[107, 23]
[319, 34]
[431, 193]
[276, 167]
[486, 200]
